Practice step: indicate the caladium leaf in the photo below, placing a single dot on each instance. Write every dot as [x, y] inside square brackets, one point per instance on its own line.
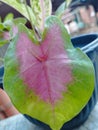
[68, 3]
[2, 40]
[60, 10]
[8, 17]
[7, 23]
[49, 81]
[41, 9]
[6, 27]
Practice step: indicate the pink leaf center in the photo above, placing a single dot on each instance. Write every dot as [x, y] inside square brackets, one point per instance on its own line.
[45, 68]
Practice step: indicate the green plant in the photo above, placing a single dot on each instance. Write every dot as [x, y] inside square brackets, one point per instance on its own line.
[45, 76]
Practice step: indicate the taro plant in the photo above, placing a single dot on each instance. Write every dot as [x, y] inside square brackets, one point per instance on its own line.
[45, 76]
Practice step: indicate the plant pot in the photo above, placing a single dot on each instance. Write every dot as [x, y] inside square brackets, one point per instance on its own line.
[89, 44]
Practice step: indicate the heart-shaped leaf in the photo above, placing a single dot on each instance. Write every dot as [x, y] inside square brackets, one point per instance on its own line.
[51, 81]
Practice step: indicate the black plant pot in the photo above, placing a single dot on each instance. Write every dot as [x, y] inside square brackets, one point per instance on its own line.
[89, 44]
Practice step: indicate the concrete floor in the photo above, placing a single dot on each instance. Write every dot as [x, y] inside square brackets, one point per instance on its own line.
[92, 121]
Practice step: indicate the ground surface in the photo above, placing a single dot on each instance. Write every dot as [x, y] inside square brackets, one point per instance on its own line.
[92, 121]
